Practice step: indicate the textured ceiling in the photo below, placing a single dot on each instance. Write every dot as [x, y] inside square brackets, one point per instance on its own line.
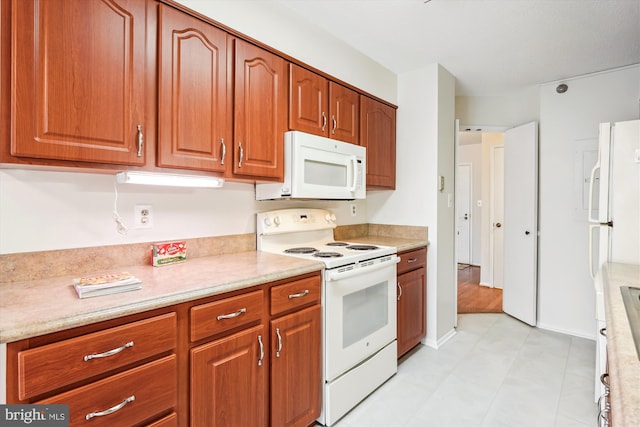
[492, 47]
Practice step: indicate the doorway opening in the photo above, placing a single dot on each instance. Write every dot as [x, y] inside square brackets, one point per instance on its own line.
[477, 185]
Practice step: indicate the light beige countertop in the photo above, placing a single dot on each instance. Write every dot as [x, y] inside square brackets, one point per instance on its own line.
[37, 307]
[32, 303]
[401, 244]
[624, 366]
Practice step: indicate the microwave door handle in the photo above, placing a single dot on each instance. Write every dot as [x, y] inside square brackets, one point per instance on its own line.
[354, 166]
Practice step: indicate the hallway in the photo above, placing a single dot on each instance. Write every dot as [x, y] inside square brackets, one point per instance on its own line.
[473, 298]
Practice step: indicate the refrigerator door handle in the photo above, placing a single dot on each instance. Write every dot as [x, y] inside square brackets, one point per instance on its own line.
[591, 184]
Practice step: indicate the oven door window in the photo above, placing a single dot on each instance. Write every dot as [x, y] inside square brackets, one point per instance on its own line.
[364, 312]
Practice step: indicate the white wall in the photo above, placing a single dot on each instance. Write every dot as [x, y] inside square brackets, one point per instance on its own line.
[499, 111]
[568, 123]
[57, 210]
[425, 150]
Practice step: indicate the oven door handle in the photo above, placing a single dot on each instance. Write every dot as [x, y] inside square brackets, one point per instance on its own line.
[339, 275]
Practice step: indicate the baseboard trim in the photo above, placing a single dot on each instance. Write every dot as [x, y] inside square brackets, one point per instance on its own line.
[436, 344]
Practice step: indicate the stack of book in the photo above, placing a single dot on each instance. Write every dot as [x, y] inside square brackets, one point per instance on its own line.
[93, 286]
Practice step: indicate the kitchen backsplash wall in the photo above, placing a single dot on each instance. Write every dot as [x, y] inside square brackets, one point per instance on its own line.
[51, 210]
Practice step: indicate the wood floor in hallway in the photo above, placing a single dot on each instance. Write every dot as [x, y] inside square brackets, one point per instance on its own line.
[473, 298]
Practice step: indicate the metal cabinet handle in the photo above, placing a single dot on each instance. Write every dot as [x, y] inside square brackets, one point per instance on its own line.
[232, 315]
[412, 260]
[107, 353]
[110, 410]
[498, 225]
[140, 140]
[224, 151]
[241, 150]
[300, 295]
[603, 332]
[279, 342]
[399, 289]
[324, 121]
[261, 350]
[335, 124]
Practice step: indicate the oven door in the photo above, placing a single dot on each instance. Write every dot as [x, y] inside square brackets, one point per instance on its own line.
[360, 314]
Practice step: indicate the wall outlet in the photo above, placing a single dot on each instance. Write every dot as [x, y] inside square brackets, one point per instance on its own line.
[143, 216]
[353, 209]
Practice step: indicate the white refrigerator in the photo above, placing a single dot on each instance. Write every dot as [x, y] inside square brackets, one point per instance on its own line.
[614, 214]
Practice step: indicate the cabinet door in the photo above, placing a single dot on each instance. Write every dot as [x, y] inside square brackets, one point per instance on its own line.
[378, 135]
[308, 102]
[260, 112]
[77, 83]
[192, 93]
[344, 106]
[296, 371]
[228, 381]
[412, 325]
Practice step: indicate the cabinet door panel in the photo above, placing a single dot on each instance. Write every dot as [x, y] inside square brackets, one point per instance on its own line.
[260, 111]
[344, 107]
[192, 93]
[296, 376]
[412, 326]
[227, 384]
[78, 94]
[378, 135]
[308, 102]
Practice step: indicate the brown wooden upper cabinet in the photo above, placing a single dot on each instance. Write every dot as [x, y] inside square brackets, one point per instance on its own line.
[194, 130]
[260, 111]
[378, 135]
[322, 107]
[78, 79]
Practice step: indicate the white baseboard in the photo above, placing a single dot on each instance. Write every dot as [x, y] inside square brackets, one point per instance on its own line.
[441, 341]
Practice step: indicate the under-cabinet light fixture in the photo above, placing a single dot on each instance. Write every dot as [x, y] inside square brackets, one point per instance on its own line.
[172, 180]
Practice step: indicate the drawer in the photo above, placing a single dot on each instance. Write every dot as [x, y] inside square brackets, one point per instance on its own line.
[170, 420]
[295, 294]
[213, 318]
[411, 260]
[123, 399]
[52, 366]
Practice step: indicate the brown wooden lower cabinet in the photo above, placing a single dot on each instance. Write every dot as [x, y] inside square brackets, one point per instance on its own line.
[251, 357]
[228, 380]
[411, 295]
[296, 371]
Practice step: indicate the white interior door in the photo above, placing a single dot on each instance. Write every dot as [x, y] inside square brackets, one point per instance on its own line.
[497, 217]
[519, 298]
[463, 213]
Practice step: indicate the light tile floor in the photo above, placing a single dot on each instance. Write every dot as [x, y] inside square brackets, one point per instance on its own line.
[495, 371]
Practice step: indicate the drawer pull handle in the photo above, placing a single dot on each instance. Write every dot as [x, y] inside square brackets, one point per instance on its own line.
[412, 260]
[232, 315]
[107, 353]
[110, 410]
[300, 295]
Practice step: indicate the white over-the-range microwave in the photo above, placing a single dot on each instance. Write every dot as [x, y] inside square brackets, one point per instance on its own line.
[318, 168]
